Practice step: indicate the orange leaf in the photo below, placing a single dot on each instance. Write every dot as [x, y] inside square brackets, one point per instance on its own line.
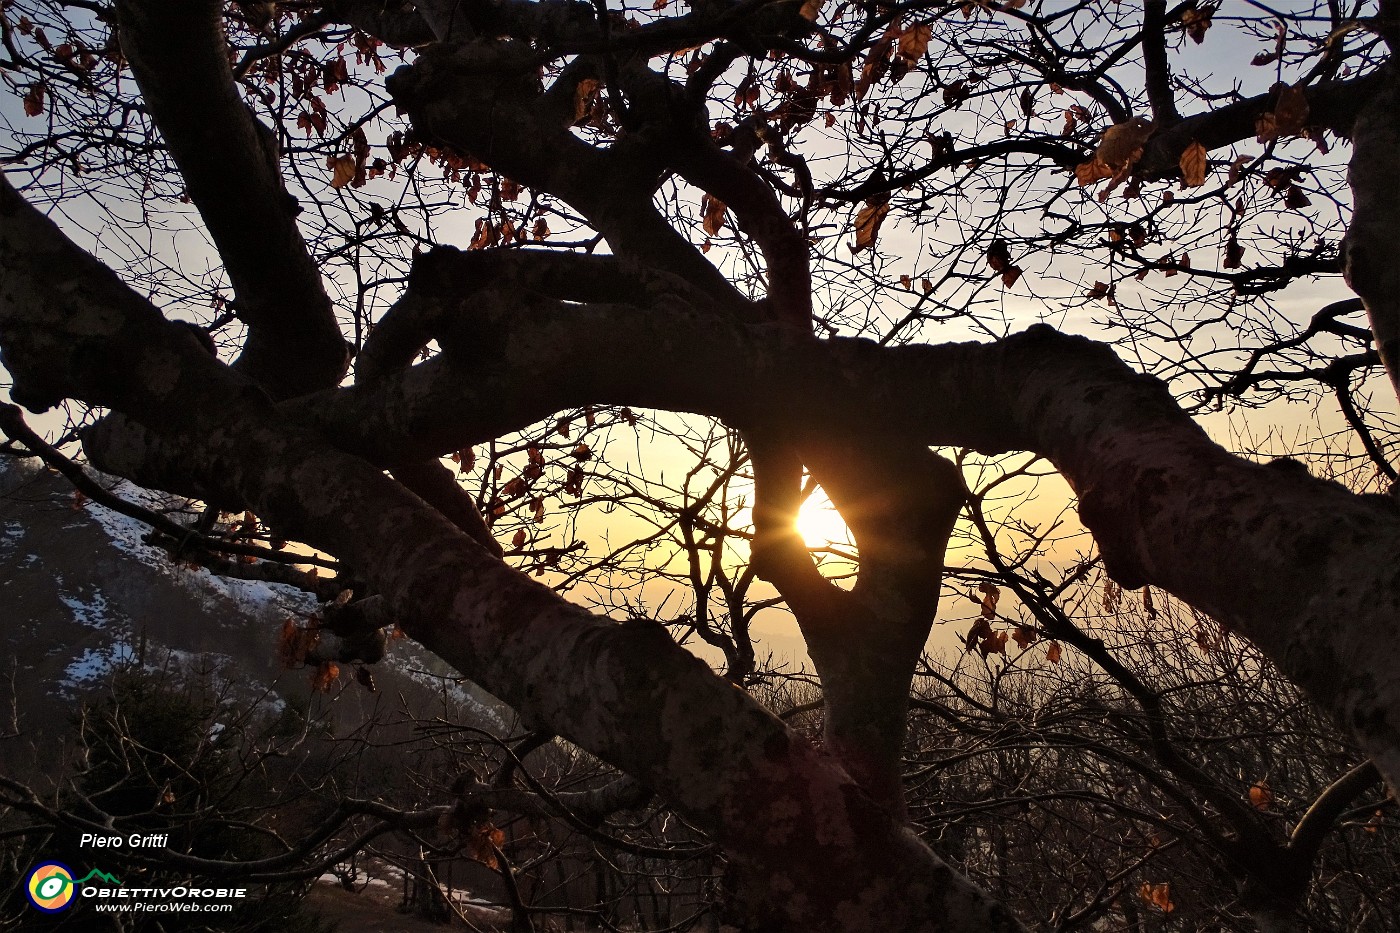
[584, 95]
[286, 643]
[1288, 117]
[296, 641]
[1260, 796]
[868, 223]
[1265, 128]
[487, 234]
[913, 43]
[1237, 169]
[980, 629]
[1086, 173]
[325, 676]
[1112, 592]
[342, 170]
[34, 99]
[955, 93]
[1193, 166]
[1121, 144]
[1197, 22]
[990, 595]
[1234, 253]
[1119, 149]
[994, 644]
[713, 209]
[1052, 653]
[483, 842]
[1103, 291]
[877, 61]
[1157, 895]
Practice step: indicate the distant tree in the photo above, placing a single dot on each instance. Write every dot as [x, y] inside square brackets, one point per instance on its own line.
[775, 215]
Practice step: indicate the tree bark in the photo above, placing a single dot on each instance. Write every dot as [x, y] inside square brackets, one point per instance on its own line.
[232, 173]
[1371, 249]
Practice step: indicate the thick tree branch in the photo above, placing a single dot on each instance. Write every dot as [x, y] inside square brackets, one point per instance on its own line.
[186, 541]
[1312, 829]
[396, 22]
[484, 98]
[1154, 57]
[1371, 250]
[1333, 106]
[900, 501]
[230, 164]
[679, 128]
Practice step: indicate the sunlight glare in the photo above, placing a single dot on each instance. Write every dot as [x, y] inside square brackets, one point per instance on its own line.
[820, 524]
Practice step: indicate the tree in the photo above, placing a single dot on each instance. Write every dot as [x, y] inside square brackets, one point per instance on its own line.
[777, 125]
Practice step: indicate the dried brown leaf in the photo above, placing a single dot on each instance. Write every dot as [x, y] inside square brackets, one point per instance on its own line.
[1197, 21]
[1157, 895]
[342, 170]
[1237, 169]
[713, 210]
[868, 222]
[998, 255]
[584, 96]
[913, 43]
[1193, 166]
[990, 595]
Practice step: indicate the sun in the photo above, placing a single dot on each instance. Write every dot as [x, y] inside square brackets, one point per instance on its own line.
[819, 524]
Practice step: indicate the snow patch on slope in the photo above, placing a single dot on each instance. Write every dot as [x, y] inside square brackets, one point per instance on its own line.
[91, 611]
[250, 597]
[95, 664]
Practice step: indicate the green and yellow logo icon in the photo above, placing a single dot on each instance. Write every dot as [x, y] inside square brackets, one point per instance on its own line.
[50, 887]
